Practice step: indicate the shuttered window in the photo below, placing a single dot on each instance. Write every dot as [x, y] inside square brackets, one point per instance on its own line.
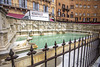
[23, 3]
[1, 1]
[7, 2]
[35, 6]
[45, 8]
[52, 11]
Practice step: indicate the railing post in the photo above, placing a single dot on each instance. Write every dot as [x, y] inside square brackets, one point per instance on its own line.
[31, 53]
[78, 52]
[69, 52]
[63, 52]
[84, 56]
[81, 52]
[89, 54]
[45, 50]
[86, 61]
[74, 53]
[91, 50]
[55, 46]
[88, 48]
[12, 57]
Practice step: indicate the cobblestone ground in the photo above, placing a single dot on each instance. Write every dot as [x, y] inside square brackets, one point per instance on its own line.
[96, 64]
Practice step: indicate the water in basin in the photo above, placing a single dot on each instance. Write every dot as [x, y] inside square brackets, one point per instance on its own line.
[50, 39]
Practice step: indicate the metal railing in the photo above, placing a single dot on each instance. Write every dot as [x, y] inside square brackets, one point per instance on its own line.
[85, 53]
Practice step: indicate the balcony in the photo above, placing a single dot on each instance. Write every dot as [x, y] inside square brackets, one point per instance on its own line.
[65, 9]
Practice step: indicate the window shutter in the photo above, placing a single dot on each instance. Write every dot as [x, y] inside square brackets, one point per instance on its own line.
[47, 9]
[44, 8]
[52, 10]
[5, 1]
[19, 3]
[10, 2]
[33, 5]
[38, 7]
[1, 1]
[25, 3]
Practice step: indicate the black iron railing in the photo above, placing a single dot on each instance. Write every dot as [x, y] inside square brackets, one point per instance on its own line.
[85, 52]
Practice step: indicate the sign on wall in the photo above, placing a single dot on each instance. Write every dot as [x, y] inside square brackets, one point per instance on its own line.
[36, 15]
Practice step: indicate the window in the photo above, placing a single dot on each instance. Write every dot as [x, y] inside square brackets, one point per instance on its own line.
[80, 18]
[83, 14]
[71, 6]
[76, 19]
[6, 2]
[88, 6]
[53, 1]
[67, 6]
[88, 14]
[59, 10]
[95, 0]
[84, 6]
[80, 6]
[88, 0]
[63, 15]
[63, 5]
[95, 6]
[76, 5]
[94, 19]
[59, 13]
[23, 3]
[83, 19]
[76, 14]
[35, 6]
[88, 19]
[71, 15]
[67, 15]
[45, 8]
[94, 14]
[59, 4]
[80, 14]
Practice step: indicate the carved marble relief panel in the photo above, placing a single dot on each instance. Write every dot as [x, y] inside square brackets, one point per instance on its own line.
[3, 24]
[5, 39]
[1, 40]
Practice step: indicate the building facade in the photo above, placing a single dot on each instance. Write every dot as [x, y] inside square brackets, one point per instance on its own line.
[87, 10]
[22, 6]
[78, 10]
[60, 10]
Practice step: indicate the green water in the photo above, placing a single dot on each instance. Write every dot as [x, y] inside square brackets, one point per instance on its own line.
[50, 39]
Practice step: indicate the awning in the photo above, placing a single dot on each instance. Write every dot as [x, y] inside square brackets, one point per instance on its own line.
[19, 16]
[51, 20]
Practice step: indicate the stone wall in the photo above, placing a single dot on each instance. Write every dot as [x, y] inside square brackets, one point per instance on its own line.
[6, 31]
[24, 27]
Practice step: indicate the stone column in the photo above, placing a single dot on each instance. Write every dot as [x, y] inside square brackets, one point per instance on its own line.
[4, 25]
